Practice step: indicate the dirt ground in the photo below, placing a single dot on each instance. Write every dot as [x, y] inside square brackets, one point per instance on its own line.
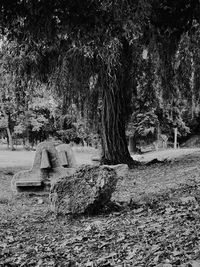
[159, 223]
[165, 154]
[182, 166]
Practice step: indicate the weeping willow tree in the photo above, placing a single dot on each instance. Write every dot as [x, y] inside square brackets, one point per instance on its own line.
[170, 21]
[83, 39]
[111, 65]
[187, 71]
[90, 38]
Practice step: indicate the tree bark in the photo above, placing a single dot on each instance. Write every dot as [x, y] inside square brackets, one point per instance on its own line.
[167, 52]
[158, 132]
[27, 142]
[10, 139]
[117, 85]
[132, 144]
[175, 138]
[7, 117]
[114, 144]
[192, 86]
[27, 124]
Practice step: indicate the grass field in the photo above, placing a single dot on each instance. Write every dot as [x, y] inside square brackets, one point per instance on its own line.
[20, 157]
[159, 223]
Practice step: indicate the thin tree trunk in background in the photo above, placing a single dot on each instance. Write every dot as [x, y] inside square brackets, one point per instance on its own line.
[27, 132]
[175, 138]
[158, 132]
[132, 144]
[28, 145]
[167, 50]
[11, 143]
[65, 105]
[192, 83]
[10, 139]
[7, 117]
[28, 100]
[7, 141]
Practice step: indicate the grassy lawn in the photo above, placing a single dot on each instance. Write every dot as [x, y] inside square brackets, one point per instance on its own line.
[158, 225]
[19, 157]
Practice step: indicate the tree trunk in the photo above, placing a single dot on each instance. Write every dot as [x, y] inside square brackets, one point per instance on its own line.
[7, 141]
[10, 139]
[192, 86]
[118, 84]
[27, 124]
[132, 144]
[27, 145]
[175, 137]
[114, 144]
[7, 117]
[158, 132]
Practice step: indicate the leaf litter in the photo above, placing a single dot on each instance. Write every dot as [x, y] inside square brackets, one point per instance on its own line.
[163, 230]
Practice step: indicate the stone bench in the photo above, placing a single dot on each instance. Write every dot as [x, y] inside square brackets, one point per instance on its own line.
[47, 168]
[66, 156]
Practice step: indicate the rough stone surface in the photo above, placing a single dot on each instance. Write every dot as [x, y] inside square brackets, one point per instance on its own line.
[86, 191]
[45, 171]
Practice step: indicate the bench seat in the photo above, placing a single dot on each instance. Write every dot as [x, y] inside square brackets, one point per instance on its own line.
[22, 183]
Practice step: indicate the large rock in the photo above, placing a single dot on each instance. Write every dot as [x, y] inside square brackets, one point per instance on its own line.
[87, 190]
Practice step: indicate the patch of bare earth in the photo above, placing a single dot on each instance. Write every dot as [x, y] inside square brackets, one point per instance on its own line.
[159, 227]
[157, 178]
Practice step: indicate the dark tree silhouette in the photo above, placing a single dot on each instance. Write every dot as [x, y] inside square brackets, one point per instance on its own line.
[105, 33]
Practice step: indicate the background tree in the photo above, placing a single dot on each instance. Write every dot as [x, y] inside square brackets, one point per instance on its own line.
[101, 37]
[26, 105]
[7, 95]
